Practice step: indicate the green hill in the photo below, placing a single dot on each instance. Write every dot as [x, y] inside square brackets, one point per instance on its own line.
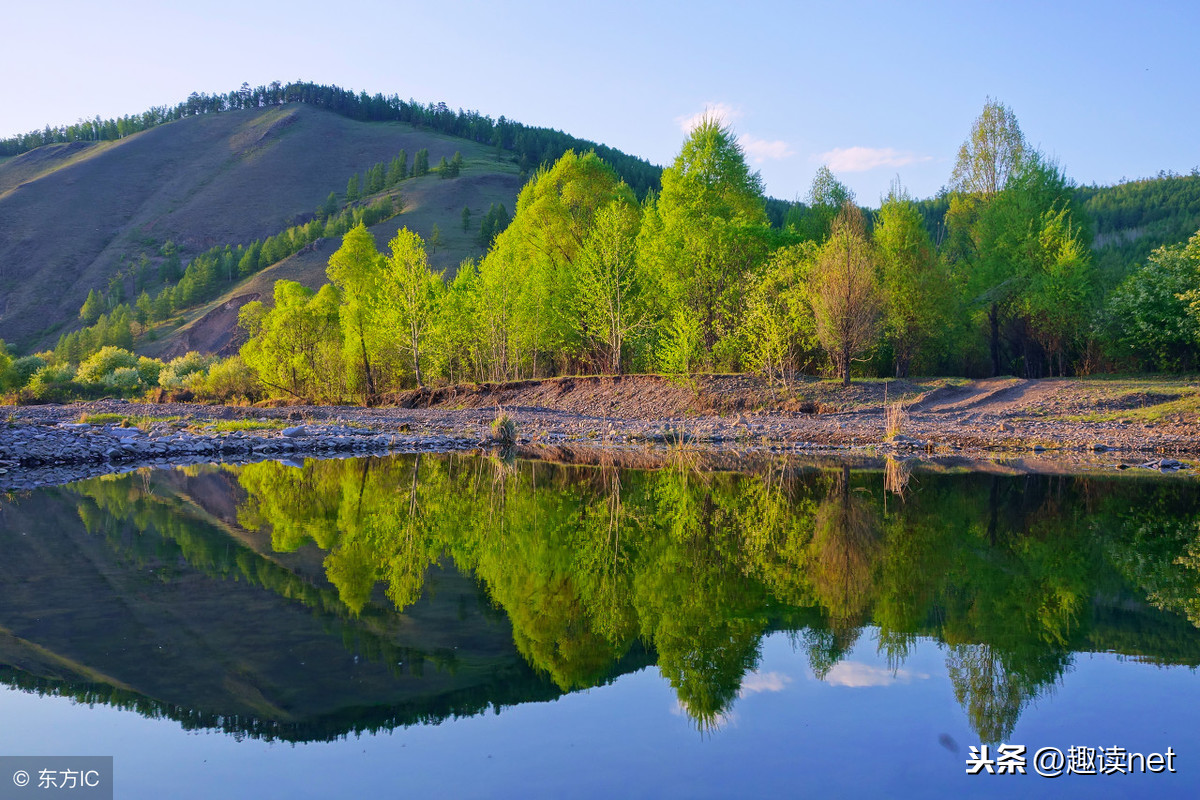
[73, 215]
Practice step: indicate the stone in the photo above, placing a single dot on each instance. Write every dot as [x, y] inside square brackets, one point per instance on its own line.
[295, 431]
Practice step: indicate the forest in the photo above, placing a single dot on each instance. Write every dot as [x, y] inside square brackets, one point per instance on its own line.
[692, 273]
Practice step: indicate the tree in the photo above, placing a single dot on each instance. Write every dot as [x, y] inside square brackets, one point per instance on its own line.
[555, 215]
[356, 269]
[296, 347]
[708, 236]
[410, 288]
[435, 238]
[397, 169]
[352, 191]
[779, 327]
[991, 154]
[608, 287]
[826, 197]
[466, 219]
[1152, 316]
[916, 285]
[421, 163]
[846, 303]
[92, 307]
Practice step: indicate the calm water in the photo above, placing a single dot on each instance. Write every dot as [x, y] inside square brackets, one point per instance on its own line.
[462, 626]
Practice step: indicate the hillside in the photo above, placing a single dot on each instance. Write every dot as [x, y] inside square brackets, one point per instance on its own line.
[73, 215]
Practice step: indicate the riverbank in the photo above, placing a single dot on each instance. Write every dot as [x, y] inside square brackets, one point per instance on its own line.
[1090, 422]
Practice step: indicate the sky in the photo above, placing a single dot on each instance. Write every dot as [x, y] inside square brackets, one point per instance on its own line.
[875, 90]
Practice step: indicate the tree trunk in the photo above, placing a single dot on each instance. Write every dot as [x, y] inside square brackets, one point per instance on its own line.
[994, 319]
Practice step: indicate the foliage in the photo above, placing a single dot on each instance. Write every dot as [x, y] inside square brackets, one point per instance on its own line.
[709, 234]
[1151, 318]
[845, 295]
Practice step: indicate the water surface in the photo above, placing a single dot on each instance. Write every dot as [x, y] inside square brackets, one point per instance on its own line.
[469, 626]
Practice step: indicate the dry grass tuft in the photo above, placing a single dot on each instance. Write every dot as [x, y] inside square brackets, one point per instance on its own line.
[895, 419]
[504, 429]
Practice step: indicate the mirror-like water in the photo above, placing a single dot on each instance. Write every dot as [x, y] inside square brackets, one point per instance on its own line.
[368, 626]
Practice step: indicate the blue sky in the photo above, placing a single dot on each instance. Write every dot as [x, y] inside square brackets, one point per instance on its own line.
[873, 89]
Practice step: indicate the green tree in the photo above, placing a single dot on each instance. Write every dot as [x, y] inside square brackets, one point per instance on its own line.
[296, 347]
[779, 328]
[92, 307]
[329, 207]
[710, 236]
[539, 251]
[356, 268]
[917, 289]
[991, 154]
[826, 198]
[1151, 317]
[411, 289]
[845, 296]
[397, 169]
[352, 188]
[608, 291]
[466, 219]
[421, 163]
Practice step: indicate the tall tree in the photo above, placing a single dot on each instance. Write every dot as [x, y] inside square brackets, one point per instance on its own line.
[846, 302]
[356, 269]
[917, 291]
[709, 235]
[991, 154]
[608, 287]
[555, 215]
[410, 289]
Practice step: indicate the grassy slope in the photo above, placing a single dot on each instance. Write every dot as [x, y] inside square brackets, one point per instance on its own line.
[70, 215]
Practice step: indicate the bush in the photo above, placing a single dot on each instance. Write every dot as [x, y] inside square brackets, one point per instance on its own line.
[231, 379]
[22, 370]
[52, 384]
[175, 374]
[103, 363]
[149, 369]
[123, 379]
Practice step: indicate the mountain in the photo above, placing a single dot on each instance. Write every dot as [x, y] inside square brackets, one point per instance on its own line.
[74, 214]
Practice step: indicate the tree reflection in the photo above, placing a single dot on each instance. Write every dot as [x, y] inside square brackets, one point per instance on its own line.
[589, 564]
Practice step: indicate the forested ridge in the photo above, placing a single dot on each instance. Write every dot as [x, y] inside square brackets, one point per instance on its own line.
[1001, 274]
[531, 145]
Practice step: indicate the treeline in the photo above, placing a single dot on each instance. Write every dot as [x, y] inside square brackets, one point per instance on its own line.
[531, 146]
[1134, 218]
[588, 279]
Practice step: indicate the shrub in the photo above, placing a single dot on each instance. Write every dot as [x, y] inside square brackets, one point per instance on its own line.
[123, 379]
[103, 363]
[175, 374]
[228, 380]
[504, 429]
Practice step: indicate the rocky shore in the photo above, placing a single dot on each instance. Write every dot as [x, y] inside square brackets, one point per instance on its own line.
[53, 444]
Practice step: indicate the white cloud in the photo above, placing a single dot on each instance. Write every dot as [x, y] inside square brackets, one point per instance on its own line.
[761, 150]
[862, 159]
[721, 111]
[857, 676]
[757, 682]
